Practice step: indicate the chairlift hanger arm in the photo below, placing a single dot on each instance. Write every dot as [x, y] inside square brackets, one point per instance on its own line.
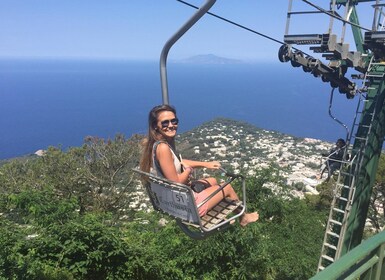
[334, 118]
[163, 57]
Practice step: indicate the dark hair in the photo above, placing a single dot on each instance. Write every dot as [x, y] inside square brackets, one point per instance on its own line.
[153, 135]
[342, 141]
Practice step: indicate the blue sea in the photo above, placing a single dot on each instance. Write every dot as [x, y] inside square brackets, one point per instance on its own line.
[60, 102]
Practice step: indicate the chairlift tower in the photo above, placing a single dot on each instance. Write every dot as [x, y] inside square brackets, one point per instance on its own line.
[353, 188]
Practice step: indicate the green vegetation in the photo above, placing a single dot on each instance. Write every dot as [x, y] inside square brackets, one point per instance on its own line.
[376, 214]
[65, 216]
[72, 215]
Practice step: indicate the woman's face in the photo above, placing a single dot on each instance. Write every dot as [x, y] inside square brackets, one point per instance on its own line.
[167, 124]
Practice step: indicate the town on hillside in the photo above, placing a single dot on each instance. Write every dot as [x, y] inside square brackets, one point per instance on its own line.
[242, 147]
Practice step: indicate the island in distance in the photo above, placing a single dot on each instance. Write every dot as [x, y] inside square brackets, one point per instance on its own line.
[209, 59]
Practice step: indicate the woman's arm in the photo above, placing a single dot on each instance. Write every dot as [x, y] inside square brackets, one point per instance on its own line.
[166, 161]
[201, 164]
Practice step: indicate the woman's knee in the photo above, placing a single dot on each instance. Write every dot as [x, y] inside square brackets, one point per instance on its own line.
[211, 180]
[229, 190]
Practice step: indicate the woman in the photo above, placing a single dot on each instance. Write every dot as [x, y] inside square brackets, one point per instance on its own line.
[160, 158]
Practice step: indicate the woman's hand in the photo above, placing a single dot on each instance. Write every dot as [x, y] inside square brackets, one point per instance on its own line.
[185, 164]
[213, 164]
[187, 167]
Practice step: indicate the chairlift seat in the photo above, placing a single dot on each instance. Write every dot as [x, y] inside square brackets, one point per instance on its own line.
[177, 200]
[374, 37]
[303, 39]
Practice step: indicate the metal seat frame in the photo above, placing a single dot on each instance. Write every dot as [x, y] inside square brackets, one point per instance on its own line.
[177, 200]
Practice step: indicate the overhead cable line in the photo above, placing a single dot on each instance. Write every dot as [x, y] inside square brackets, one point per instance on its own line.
[241, 26]
[234, 23]
[335, 16]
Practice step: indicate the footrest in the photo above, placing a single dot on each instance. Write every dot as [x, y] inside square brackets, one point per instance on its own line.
[220, 212]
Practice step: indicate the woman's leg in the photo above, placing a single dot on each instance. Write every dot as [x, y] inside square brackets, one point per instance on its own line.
[228, 192]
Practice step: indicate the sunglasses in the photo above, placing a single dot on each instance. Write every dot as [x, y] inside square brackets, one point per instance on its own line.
[166, 123]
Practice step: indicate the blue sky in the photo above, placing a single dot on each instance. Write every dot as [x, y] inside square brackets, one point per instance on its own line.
[138, 29]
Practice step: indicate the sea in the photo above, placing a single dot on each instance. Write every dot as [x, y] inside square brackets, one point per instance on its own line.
[58, 102]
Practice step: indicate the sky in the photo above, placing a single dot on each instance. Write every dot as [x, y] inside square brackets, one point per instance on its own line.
[138, 29]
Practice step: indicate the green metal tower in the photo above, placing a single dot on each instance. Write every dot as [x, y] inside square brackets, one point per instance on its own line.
[353, 189]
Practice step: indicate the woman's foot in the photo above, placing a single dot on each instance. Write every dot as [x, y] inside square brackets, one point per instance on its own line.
[249, 218]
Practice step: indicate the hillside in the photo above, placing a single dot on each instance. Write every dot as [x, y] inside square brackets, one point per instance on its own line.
[243, 147]
[83, 214]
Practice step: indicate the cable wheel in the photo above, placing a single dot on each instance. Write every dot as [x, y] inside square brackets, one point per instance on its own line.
[325, 79]
[283, 53]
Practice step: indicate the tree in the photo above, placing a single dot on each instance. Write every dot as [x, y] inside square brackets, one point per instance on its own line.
[108, 171]
[61, 220]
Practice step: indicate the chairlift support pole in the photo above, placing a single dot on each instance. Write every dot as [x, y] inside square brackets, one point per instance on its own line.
[163, 57]
[369, 133]
[353, 189]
